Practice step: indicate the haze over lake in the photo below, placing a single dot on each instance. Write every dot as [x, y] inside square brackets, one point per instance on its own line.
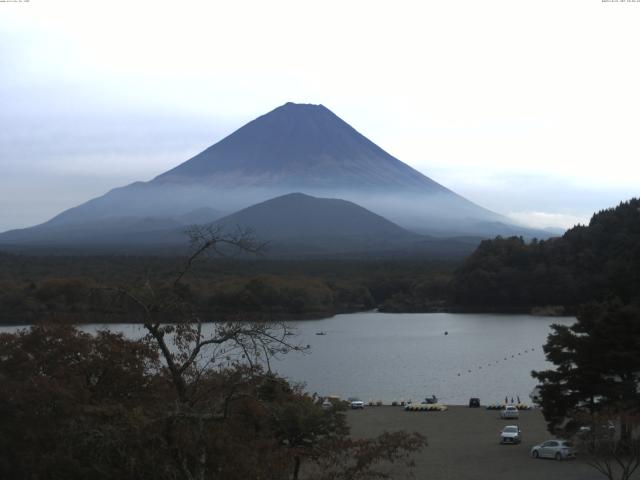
[390, 356]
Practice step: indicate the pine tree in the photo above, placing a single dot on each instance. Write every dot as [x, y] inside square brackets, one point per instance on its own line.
[597, 365]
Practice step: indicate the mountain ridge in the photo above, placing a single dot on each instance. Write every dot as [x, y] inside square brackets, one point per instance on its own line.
[308, 136]
[300, 215]
[293, 148]
[291, 226]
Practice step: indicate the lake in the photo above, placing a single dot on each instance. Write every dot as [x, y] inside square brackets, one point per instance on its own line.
[391, 356]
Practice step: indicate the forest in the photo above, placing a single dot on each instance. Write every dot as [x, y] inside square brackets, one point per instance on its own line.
[77, 288]
[593, 262]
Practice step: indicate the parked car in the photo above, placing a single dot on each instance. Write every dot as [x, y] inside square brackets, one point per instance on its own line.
[510, 434]
[558, 449]
[330, 401]
[607, 429]
[509, 412]
[356, 403]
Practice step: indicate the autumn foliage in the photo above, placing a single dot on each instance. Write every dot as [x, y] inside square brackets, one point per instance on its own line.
[78, 406]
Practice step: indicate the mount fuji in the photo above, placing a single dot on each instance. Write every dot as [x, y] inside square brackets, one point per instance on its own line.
[294, 148]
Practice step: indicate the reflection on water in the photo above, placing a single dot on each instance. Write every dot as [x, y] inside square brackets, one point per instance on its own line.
[378, 356]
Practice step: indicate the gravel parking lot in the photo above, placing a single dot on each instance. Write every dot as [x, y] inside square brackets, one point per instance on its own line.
[464, 444]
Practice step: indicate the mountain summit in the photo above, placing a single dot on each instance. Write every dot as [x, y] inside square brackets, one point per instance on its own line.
[299, 146]
[294, 148]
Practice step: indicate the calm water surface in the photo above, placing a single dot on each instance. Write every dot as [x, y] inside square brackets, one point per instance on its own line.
[377, 356]
[385, 356]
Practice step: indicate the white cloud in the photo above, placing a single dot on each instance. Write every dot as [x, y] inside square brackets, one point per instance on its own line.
[547, 219]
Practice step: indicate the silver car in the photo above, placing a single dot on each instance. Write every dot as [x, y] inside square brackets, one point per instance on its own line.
[510, 434]
[558, 449]
[509, 412]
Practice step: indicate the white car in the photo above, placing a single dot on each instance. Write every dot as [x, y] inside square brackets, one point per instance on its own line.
[356, 404]
[558, 449]
[510, 434]
[509, 411]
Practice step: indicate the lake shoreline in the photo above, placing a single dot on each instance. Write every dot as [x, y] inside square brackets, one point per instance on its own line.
[109, 319]
[394, 357]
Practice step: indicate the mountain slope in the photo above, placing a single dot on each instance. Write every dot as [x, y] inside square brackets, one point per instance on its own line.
[121, 231]
[299, 146]
[296, 225]
[293, 226]
[294, 148]
[299, 216]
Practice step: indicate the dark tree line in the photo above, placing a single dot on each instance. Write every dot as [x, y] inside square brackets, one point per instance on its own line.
[34, 288]
[593, 262]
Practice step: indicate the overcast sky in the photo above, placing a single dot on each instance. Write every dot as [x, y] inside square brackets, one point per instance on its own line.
[530, 108]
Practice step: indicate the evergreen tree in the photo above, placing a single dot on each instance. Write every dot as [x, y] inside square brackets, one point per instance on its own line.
[597, 366]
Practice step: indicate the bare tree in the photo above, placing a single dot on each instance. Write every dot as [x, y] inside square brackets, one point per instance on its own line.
[605, 447]
[190, 349]
[216, 373]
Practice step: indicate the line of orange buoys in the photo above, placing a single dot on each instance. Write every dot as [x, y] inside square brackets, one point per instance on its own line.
[490, 364]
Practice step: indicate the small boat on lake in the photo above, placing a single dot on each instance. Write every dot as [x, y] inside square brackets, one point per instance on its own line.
[321, 333]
